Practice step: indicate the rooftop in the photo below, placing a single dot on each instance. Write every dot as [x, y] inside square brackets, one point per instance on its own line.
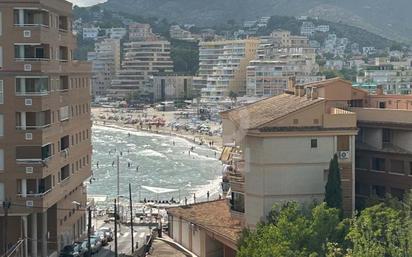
[213, 216]
[261, 112]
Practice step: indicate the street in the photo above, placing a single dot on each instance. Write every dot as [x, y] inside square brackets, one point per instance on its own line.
[124, 240]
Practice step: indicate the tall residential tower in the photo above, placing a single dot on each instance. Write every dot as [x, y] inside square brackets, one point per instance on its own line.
[45, 127]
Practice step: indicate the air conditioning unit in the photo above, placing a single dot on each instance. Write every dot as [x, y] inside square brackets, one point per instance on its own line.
[29, 203]
[344, 155]
[28, 102]
[27, 67]
[27, 33]
[29, 170]
[29, 136]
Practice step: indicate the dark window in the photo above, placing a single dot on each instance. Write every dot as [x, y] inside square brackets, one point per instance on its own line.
[379, 191]
[410, 168]
[238, 202]
[361, 189]
[382, 105]
[378, 164]
[313, 143]
[386, 135]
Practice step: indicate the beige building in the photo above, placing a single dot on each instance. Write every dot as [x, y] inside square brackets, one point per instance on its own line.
[105, 62]
[223, 65]
[45, 127]
[171, 87]
[141, 32]
[142, 60]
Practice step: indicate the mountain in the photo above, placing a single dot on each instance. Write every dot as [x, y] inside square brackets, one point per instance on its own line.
[389, 18]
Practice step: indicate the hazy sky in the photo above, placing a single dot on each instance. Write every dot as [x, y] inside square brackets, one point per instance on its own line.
[86, 2]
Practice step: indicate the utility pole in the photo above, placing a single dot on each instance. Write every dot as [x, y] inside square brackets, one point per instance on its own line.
[118, 184]
[131, 216]
[115, 228]
[89, 232]
[6, 206]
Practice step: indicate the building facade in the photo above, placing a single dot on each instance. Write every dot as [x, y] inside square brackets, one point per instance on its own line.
[106, 62]
[142, 60]
[45, 141]
[171, 87]
[141, 32]
[223, 64]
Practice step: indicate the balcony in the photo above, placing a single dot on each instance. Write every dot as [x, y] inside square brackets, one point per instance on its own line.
[63, 23]
[64, 84]
[31, 17]
[34, 52]
[33, 154]
[32, 86]
[64, 174]
[63, 54]
[34, 188]
[33, 120]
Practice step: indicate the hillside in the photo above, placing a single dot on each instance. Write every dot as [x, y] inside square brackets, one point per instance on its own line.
[391, 19]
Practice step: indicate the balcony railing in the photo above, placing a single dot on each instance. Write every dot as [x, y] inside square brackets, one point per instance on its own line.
[36, 195]
[31, 59]
[42, 93]
[32, 127]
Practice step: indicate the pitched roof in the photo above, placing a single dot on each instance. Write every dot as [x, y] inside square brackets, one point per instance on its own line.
[261, 112]
[214, 216]
[326, 82]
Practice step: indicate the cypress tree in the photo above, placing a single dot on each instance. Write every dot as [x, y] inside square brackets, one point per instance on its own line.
[333, 189]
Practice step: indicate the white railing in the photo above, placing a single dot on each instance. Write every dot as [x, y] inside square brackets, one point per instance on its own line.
[42, 93]
[32, 127]
[37, 195]
[32, 25]
[26, 59]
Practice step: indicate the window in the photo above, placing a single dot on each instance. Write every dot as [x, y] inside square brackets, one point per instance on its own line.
[343, 143]
[410, 168]
[1, 125]
[1, 159]
[1, 57]
[238, 202]
[1, 89]
[378, 191]
[378, 164]
[314, 143]
[386, 135]
[295, 121]
[398, 166]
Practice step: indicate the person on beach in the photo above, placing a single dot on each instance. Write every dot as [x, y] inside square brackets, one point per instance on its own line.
[121, 153]
[173, 142]
[194, 197]
[97, 164]
[208, 195]
[128, 134]
[185, 200]
[128, 165]
[137, 168]
[113, 164]
[215, 154]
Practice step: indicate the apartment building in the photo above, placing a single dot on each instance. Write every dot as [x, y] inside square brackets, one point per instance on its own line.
[45, 139]
[141, 32]
[270, 77]
[284, 39]
[171, 87]
[177, 32]
[141, 60]
[223, 64]
[106, 62]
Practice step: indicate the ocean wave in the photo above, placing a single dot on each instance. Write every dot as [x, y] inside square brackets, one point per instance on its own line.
[151, 153]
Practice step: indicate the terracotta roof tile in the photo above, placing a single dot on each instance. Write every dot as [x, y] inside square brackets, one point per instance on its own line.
[261, 112]
[213, 216]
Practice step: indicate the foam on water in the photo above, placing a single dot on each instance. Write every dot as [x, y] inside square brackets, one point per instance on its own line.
[160, 164]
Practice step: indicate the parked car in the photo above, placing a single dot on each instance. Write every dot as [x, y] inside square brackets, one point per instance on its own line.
[95, 243]
[102, 236]
[73, 250]
[109, 233]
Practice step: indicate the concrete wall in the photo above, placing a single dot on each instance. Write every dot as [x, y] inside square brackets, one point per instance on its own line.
[403, 139]
[176, 229]
[213, 248]
[196, 240]
[373, 137]
[186, 234]
[283, 169]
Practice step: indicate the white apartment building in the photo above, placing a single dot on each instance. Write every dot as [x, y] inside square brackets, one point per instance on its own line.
[176, 32]
[141, 60]
[307, 28]
[90, 33]
[171, 87]
[117, 33]
[106, 62]
[223, 64]
[271, 77]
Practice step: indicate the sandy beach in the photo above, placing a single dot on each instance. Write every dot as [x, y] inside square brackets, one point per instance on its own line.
[100, 116]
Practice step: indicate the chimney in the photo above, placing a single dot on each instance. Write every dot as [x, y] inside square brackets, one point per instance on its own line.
[299, 90]
[315, 93]
[379, 90]
[291, 84]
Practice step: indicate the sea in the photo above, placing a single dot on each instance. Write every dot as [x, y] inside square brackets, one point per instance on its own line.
[152, 160]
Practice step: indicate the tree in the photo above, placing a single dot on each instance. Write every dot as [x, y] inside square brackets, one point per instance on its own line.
[292, 231]
[233, 96]
[382, 231]
[333, 189]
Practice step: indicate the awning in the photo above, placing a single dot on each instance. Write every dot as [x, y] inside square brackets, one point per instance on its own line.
[226, 153]
[159, 190]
